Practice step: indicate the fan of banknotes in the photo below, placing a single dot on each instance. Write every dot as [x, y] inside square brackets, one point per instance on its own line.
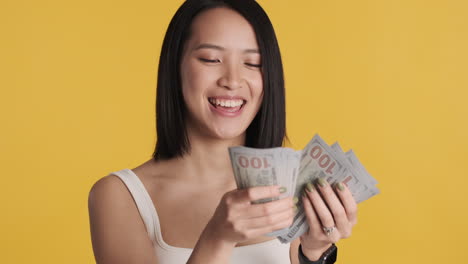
[294, 169]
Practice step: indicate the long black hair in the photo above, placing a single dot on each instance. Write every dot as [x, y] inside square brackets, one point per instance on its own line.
[268, 128]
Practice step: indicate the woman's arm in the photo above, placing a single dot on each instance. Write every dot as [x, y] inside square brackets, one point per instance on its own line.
[294, 250]
[238, 219]
[117, 231]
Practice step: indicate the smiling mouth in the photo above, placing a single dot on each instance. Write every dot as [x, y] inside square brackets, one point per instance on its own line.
[232, 105]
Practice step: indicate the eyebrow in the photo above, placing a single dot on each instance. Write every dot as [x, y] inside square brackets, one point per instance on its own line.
[216, 47]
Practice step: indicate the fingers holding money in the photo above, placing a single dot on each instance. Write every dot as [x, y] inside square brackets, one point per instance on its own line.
[334, 205]
[250, 195]
[271, 220]
[330, 212]
[315, 233]
[348, 202]
[237, 219]
[324, 215]
[271, 208]
[334, 208]
[267, 210]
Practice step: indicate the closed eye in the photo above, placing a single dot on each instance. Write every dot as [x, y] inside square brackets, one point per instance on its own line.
[209, 61]
[254, 65]
[215, 61]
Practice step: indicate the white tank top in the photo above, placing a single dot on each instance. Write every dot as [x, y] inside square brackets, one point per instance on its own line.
[270, 252]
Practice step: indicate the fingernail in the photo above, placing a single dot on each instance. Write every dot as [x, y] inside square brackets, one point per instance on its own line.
[295, 208]
[295, 200]
[304, 194]
[282, 189]
[322, 182]
[310, 187]
[340, 186]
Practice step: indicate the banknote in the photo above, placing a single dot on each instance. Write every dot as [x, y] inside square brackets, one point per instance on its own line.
[294, 169]
[264, 167]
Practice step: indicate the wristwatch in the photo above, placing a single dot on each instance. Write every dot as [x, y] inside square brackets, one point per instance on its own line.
[328, 257]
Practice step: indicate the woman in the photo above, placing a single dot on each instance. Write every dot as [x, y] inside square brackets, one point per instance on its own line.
[220, 84]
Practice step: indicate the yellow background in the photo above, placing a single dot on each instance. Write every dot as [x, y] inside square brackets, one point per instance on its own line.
[388, 78]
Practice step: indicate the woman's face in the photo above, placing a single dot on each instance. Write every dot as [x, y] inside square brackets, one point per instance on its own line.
[221, 74]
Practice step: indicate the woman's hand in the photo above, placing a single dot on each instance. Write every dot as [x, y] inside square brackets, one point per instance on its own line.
[327, 206]
[237, 219]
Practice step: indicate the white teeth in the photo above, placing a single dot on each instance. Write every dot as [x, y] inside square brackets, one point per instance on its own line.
[226, 103]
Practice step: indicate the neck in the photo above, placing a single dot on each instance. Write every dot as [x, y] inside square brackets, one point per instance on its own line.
[208, 160]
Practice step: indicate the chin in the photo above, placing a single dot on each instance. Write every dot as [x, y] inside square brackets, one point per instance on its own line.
[229, 134]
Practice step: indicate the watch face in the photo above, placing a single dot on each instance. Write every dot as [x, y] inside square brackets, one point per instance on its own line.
[329, 256]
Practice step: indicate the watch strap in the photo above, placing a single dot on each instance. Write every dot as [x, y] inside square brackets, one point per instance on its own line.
[328, 257]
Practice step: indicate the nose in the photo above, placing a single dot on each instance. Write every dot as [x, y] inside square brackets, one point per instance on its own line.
[231, 77]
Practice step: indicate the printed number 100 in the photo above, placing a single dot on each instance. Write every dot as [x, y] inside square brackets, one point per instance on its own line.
[323, 160]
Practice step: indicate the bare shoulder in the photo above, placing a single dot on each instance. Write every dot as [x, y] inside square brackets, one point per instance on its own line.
[109, 191]
[118, 233]
[106, 187]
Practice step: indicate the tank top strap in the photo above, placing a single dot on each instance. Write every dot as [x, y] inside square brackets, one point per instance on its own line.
[142, 200]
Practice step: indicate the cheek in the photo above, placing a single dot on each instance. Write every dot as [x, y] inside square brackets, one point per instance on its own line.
[257, 87]
[259, 92]
[190, 78]
[194, 80]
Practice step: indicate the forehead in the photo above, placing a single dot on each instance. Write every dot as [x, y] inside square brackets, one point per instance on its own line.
[223, 27]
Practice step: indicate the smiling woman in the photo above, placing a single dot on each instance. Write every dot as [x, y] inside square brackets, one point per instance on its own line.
[220, 84]
[194, 34]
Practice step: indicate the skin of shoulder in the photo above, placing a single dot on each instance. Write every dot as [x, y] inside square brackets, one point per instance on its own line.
[118, 233]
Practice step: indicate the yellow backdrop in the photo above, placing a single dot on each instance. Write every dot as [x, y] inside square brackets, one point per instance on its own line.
[388, 78]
